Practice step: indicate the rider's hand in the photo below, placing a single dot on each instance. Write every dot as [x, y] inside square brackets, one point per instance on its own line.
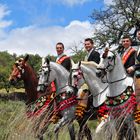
[130, 69]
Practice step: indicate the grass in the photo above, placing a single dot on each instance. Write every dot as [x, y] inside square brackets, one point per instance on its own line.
[11, 90]
[14, 124]
[8, 111]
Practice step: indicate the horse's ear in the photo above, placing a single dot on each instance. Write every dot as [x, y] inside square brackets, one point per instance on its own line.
[79, 63]
[26, 58]
[105, 52]
[43, 61]
[72, 62]
[47, 60]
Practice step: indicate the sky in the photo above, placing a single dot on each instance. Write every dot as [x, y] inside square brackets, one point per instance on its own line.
[35, 26]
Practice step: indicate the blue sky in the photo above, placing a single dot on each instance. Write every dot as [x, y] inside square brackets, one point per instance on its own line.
[35, 26]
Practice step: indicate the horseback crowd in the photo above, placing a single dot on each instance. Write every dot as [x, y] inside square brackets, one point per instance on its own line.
[83, 98]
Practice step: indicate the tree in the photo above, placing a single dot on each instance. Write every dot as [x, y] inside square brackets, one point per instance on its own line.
[77, 51]
[121, 17]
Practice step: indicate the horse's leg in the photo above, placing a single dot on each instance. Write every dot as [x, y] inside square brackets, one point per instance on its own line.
[71, 131]
[41, 138]
[84, 129]
[62, 123]
[68, 117]
[44, 129]
[126, 129]
[56, 135]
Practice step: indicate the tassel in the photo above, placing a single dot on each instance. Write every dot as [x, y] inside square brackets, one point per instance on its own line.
[54, 119]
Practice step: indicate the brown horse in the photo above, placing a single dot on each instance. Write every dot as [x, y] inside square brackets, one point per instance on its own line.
[23, 71]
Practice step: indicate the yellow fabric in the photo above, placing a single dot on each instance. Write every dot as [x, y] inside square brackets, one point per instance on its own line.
[84, 87]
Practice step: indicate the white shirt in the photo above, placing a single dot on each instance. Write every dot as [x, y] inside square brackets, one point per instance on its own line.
[59, 56]
[88, 54]
[126, 51]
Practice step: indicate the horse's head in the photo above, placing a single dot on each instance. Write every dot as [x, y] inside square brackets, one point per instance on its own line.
[18, 70]
[45, 75]
[76, 78]
[107, 63]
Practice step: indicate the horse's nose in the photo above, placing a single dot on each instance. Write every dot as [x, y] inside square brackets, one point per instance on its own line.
[98, 73]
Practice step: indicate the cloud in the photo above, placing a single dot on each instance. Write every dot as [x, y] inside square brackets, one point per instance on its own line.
[42, 41]
[4, 12]
[73, 2]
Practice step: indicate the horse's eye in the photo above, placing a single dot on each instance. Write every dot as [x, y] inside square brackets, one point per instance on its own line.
[109, 57]
[16, 64]
[45, 72]
[38, 76]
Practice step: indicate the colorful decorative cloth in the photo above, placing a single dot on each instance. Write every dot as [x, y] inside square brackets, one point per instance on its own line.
[103, 112]
[38, 107]
[64, 100]
[123, 104]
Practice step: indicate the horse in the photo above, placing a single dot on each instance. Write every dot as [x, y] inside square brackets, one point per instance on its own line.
[51, 71]
[23, 71]
[121, 99]
[85, 72]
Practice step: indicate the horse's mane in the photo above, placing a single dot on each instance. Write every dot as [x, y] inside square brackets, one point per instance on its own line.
[91, 63]
[59, 67]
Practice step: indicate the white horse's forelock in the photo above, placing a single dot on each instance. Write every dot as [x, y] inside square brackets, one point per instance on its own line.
[89, 63]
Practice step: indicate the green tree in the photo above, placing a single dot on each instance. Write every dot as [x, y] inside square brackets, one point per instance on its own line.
[120, 17]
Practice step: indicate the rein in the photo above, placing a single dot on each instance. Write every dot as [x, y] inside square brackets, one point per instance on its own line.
[107, 69]
[109, 82]
[48, 76]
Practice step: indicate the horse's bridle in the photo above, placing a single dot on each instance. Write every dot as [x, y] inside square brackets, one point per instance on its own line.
[108, 69]
[46, 83]
[20, 69]
[77, 78]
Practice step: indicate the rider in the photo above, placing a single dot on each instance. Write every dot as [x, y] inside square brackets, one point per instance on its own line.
[136, 68]
[65, 61]
[128, 54]
[62, 58]
[83, 93]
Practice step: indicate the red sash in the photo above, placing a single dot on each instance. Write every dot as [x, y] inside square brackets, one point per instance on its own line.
[126, 56]
[62, 59]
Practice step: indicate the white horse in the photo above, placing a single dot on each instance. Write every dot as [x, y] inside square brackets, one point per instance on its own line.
[52, 71]
[121, 98]
[85, 72]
